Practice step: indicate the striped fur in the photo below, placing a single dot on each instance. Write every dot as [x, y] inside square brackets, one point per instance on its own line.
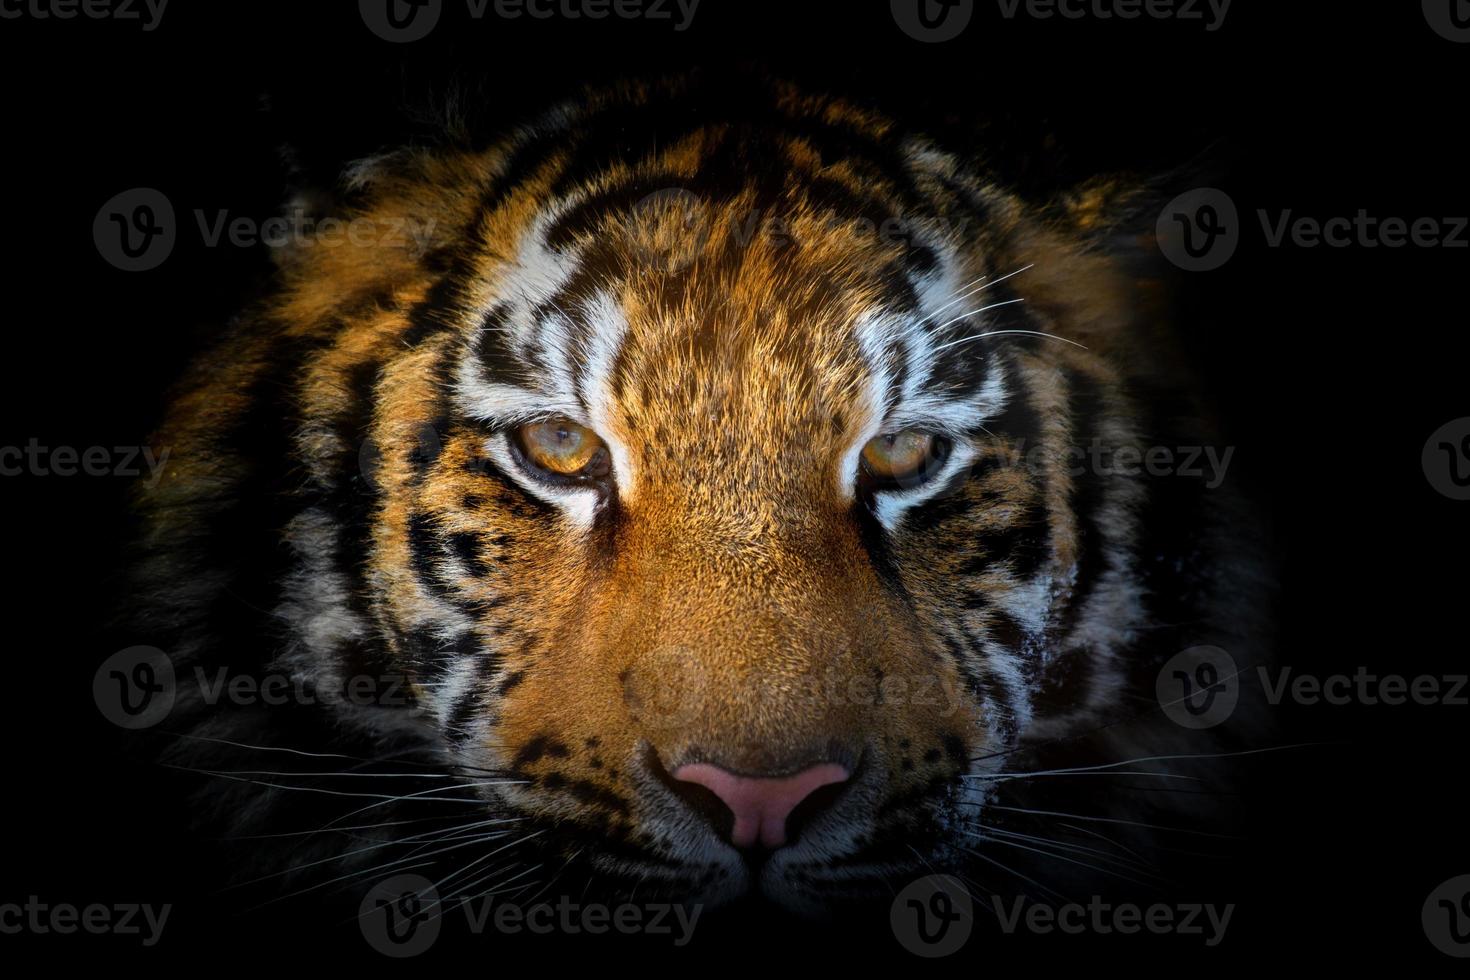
[736, 291]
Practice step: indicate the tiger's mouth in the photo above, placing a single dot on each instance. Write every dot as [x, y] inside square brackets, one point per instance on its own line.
[844, 841]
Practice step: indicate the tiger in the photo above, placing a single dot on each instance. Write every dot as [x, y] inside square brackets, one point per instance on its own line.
[693, 486]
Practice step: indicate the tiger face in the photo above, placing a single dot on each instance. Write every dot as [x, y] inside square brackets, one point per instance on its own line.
[707, 475]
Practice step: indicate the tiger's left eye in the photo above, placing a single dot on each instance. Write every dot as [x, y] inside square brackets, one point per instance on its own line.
[902, 457]
[562, 448]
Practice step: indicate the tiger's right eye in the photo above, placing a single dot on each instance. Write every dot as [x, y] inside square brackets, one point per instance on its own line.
[562, 448]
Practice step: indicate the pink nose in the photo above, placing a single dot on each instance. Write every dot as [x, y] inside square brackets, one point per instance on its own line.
[761, 805]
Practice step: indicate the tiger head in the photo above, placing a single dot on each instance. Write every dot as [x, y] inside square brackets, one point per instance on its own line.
[705, 468]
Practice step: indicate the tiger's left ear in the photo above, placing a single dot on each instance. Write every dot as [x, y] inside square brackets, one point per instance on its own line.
[1097, 272]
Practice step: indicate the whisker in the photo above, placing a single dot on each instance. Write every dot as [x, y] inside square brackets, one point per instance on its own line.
[966, 316]
[1059, 857]
[319, 755]
[1114, 820]
[1012, 871]
[1143, 867]
[417, 797]
[1001, 333]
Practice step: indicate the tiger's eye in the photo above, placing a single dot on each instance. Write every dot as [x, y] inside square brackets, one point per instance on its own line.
[899, 455]
[563, 447]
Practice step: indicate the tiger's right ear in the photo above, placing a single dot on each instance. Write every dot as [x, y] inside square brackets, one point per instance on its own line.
[1102, 254]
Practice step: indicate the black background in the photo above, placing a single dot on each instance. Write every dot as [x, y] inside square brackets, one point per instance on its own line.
[1332, 366]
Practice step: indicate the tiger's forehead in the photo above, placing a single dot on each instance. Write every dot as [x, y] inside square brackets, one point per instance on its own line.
[696, 310]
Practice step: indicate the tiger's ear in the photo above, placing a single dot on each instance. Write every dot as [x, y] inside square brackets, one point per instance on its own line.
[1098, 270]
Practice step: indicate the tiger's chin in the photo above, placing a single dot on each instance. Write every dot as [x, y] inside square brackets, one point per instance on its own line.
[797, 880]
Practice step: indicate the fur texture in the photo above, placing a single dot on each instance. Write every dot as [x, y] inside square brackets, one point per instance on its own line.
[736, 292]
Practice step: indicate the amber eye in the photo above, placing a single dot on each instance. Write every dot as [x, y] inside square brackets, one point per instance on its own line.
[562, 448]
[904, 457]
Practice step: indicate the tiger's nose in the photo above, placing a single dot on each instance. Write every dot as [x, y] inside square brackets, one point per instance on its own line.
[761, 805]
